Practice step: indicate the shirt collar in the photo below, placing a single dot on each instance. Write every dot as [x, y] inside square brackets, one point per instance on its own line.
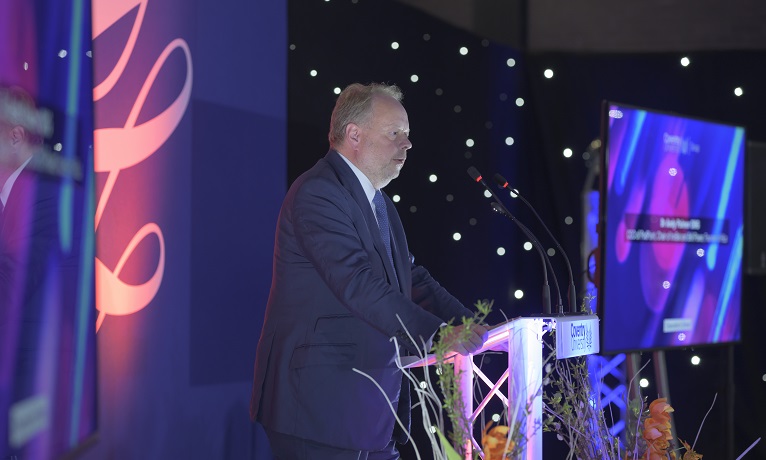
[369, 190]
[5, 192]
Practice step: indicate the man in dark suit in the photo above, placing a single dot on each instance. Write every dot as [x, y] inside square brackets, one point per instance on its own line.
[342, 291]
[20, 212]
[38, 277]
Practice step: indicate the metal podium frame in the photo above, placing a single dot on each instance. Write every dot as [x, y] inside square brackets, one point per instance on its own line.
[522, 339]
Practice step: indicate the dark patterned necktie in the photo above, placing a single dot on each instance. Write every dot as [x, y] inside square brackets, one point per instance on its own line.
[385, 230]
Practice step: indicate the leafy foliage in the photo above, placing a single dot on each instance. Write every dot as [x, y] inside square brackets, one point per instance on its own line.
[452, 401]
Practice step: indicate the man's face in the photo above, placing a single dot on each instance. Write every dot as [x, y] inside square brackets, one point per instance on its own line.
[384, 141]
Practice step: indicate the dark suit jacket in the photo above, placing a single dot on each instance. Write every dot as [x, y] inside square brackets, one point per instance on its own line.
[333, 306]
[28, 229]
[31, 264]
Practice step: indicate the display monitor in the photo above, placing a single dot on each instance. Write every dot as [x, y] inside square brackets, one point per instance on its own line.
[670, 230]
[48, 391]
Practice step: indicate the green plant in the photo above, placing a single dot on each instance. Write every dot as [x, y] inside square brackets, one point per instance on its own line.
[452, 401]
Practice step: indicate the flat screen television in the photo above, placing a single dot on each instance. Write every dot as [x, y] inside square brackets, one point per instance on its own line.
[48, 391]
[670, 230]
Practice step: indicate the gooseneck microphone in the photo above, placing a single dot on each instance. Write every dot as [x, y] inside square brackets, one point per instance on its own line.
[572, 294]
[498, 207]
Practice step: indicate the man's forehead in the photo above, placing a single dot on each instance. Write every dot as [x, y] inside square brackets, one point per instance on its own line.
[399, 123]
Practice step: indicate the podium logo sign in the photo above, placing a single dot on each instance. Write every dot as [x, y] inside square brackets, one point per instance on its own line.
[576, 336]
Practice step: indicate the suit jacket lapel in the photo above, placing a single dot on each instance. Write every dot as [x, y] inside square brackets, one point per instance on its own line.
[349, 180]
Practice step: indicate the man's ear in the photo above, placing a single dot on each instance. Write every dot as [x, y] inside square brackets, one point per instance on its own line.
[352, 133]
[17, 134]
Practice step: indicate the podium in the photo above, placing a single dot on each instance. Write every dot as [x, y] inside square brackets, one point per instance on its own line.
[521, 338]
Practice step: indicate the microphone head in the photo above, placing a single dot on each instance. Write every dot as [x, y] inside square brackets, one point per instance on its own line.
[474, 173]
[502, 183]
[500, 180]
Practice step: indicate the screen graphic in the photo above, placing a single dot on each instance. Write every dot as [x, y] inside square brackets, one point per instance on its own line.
[671, 230]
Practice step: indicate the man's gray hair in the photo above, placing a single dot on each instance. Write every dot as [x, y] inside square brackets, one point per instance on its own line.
[354, 105]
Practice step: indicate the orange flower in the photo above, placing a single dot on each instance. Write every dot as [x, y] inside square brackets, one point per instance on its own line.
[493, 442]
[659, 410]
[657, 431]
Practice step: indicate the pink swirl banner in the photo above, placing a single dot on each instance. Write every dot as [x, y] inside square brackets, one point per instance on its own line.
[120, 148]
